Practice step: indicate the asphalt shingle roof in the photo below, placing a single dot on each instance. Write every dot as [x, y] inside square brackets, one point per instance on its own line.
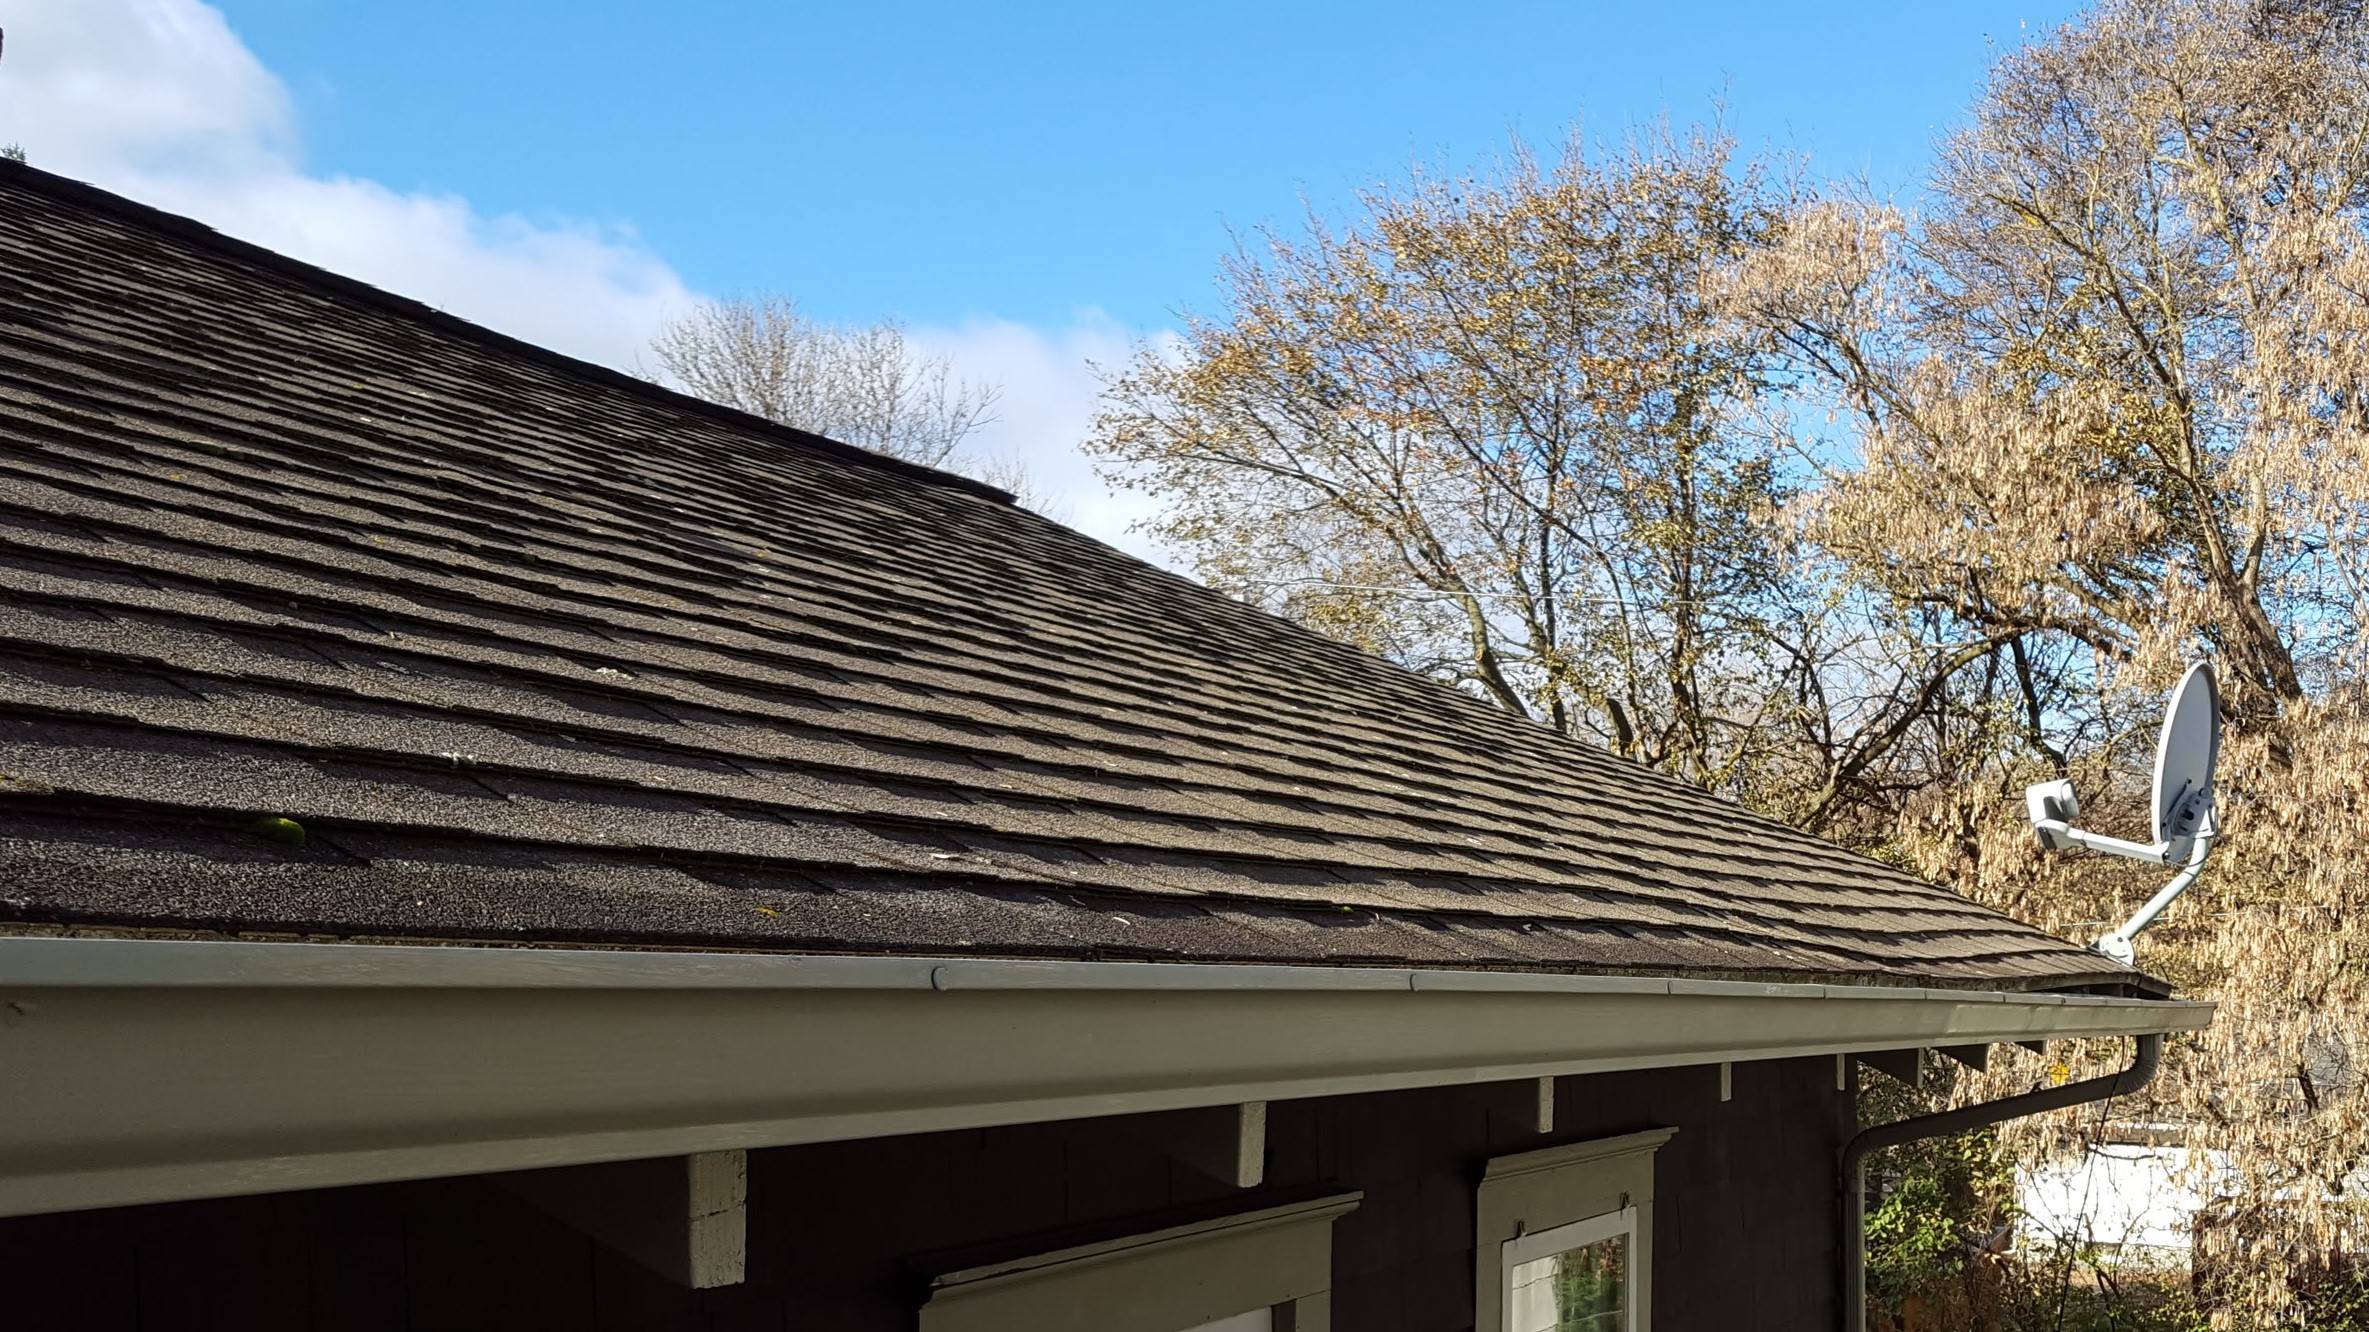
[535, 652]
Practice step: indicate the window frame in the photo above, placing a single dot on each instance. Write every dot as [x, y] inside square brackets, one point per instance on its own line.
[1277, 1258]
[1534, 1194]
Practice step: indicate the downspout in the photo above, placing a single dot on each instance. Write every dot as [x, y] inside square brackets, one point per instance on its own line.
[1854, 1168]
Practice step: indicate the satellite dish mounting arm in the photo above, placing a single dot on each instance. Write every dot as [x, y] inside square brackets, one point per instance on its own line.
[2118, 945]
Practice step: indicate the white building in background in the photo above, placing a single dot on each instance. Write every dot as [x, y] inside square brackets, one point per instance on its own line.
[2130, 1199]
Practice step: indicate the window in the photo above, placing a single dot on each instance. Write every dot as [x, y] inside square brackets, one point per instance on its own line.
[1573, 1278]
[1565, 1240]
[1264, 1271]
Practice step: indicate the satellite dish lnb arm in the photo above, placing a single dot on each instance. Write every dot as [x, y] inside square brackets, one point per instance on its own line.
[2154, 853]
[2054, 807]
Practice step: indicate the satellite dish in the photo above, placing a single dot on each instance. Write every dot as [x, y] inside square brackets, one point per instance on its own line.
[2184, 757]
[2182, 804]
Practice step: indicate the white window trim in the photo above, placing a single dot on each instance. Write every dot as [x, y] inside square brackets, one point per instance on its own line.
[1529, 1195]
[1277, 1258]
[1577, 1235]
[1538, 1244]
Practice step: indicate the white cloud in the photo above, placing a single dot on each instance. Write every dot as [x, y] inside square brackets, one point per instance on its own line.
[1050, 391]
[161, 101]
[147, 84]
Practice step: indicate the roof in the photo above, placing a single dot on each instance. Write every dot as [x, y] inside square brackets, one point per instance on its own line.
[537, 652]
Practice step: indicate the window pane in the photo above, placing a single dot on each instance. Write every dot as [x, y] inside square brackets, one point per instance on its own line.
[1578, 1290]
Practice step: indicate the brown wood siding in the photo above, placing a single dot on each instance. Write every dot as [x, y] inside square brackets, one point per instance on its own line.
[842, 1235]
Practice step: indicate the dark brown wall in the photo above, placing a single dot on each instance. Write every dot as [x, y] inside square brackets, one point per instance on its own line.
[840, 1235]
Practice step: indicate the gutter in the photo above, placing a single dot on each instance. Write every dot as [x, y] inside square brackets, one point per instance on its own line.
[2141, 1071]
[144, 1070]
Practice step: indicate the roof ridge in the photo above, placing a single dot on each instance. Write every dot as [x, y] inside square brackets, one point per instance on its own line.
[66, 189]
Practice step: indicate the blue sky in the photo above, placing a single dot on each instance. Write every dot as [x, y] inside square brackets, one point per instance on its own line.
[941, 162]
[1035, 191]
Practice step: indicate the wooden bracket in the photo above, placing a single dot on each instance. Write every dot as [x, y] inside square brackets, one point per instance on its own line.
[1900, 1064]
[1228, 1143]
[2036, 1047]
[1529, 1103]
[683, 1217]
[1727, 1082]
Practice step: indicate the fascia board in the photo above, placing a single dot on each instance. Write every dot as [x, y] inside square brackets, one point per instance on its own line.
[147, 1070]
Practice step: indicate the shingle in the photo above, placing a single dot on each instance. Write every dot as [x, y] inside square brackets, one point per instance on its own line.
[538, 652]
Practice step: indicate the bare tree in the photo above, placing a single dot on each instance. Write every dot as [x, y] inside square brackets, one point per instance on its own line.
[2111, 399]
[864, 385]
[1501, 431]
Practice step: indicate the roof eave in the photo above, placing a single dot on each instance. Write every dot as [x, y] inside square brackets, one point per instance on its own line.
[146, 1070]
